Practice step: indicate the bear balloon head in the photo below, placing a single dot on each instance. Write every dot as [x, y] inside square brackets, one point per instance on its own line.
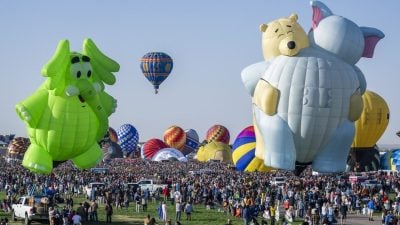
[283, 36]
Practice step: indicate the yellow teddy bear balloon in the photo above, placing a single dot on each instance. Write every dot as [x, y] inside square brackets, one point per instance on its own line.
[283, 37]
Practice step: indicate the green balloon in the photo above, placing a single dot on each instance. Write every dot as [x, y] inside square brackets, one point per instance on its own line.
[68, 114]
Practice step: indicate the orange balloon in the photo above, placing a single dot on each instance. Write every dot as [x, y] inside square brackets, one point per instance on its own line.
[175, 137]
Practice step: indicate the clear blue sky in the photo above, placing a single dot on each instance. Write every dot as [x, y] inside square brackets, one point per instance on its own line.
[211, 41]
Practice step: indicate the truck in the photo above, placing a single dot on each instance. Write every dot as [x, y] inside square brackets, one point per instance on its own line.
[150, 184]
[31, 208]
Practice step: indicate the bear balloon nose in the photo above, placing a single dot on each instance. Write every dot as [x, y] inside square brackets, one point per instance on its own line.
[291, 44]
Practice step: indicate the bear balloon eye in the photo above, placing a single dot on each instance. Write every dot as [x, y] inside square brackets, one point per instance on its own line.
[276, 31]
[288, 25]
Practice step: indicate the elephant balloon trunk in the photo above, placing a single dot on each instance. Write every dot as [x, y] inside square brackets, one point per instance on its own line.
[89, 95]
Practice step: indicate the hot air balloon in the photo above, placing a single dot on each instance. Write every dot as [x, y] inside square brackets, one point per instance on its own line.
[218, 133]
[156, 66]
[68, 114]
[191, 143]
[214, 150]
[170, 154]
[152, 146]
[111, 150]
[243, 154]
[175, 137]
[128, 138]
[364, 155]
[112, 134]
[17, 148]
[305, 104]
[391, 160]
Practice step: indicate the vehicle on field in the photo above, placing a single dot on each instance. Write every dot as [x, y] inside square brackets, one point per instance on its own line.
[279, 181]
[31, 208]
[372, 184]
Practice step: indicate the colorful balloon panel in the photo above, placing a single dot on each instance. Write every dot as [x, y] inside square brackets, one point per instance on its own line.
[175, 137]
[218, 133]
[128, 138]
[192, 141]
[373, 121]
[156, 66]
[243, 154]
[152, 146]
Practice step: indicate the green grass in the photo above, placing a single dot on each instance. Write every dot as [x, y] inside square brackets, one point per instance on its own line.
[129, 217]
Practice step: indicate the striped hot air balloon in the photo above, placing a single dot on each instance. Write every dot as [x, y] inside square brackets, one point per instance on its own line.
[152, 146]
[244, 148]
[175, 137]
[218, 133]
[156, 66]
[192, 141]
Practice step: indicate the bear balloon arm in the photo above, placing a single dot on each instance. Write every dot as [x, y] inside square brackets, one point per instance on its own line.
[356, 106]
[31, 109]
[266, 97]
[252, 74]
[109, 103]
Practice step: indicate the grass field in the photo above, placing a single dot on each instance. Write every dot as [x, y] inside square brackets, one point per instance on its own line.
[200, 215]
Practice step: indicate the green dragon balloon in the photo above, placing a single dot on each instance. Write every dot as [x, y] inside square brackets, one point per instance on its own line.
[68, 114]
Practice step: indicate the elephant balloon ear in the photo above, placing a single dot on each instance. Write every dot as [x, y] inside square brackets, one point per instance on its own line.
[57, 65]
[102, 65]
[320, 11]
[371, 38]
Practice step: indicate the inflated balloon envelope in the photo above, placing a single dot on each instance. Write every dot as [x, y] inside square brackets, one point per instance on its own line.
[305, 102]
[68, 114]
[364, 154]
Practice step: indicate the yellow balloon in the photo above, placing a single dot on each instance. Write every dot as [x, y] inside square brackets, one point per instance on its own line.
[373, 121]
[214, 151]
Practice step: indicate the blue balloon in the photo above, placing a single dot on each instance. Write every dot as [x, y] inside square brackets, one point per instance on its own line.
[128, 138]
[156, 66]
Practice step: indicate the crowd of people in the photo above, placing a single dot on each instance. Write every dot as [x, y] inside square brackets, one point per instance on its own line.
[252, 197]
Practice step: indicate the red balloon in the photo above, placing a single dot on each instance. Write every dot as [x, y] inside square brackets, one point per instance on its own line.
[175, 137]
[218, 133]
[152, 146]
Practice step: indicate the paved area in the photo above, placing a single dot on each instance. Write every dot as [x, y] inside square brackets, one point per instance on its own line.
[353, 219]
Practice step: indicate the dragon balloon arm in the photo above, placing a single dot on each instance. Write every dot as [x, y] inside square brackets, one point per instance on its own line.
[31, 109]
[109, 103]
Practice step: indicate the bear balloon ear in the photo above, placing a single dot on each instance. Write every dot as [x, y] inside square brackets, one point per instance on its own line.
[293, 17]
[263, 27]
